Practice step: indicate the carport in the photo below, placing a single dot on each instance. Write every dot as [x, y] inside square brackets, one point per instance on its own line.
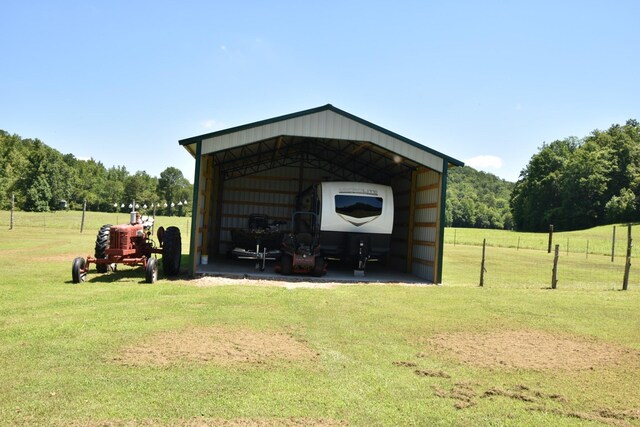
[261, 167]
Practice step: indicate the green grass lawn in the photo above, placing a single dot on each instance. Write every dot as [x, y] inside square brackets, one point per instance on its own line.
[60, 344]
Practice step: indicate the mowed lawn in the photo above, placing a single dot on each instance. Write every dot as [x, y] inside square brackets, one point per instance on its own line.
[117, 351]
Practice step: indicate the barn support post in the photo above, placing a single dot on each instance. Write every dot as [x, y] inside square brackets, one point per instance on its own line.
[195, 212]
[440, 222]
[412, 205]
[206, 211]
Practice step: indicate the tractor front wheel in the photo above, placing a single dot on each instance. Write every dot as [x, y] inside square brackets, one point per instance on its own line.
[171, 251]
[152, 270]
[102, 244]
[77, 270]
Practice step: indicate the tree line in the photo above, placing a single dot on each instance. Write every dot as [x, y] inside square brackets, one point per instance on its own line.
[581, 183]
[42, 179]
[571, 183]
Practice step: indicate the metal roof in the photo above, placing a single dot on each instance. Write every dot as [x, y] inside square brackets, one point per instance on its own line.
[325, 134]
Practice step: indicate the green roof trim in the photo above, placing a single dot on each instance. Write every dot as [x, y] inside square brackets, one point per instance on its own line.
[328, 107]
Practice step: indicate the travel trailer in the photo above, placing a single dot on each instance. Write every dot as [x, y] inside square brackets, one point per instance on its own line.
[354, 220]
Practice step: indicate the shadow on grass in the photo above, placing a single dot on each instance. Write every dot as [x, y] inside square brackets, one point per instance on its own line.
[131, 273]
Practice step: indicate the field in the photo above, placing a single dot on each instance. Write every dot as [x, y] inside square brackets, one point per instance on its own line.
[115, 351]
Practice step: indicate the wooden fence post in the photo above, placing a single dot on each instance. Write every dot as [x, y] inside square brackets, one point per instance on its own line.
[627, 266]
[84, 208]
[613, 244]
[587, 249]
[550, 238]
[554, 276]
[13, 204]
[482, 269]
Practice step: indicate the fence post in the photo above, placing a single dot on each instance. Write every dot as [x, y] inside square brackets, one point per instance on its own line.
[482, 269]
[587, 249]
[554, 276]
[613, 244]
[84, 208]
[550, 238]
[627, 266]
[13, 204]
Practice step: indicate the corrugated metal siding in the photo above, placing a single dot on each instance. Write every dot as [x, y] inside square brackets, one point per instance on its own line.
[425, 224]
[399, 243]
[324, 124]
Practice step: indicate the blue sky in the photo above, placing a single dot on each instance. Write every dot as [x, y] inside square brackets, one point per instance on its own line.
[484, 82]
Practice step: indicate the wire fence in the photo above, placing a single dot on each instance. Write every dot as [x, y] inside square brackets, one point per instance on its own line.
[523, 260]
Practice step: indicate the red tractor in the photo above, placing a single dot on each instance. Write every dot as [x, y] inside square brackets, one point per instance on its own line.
[131, 244]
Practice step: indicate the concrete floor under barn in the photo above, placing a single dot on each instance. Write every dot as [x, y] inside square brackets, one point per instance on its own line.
[222, 266]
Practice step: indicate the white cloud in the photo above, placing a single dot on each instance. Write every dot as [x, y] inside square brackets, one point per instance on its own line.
[212, 124]
[484, 162]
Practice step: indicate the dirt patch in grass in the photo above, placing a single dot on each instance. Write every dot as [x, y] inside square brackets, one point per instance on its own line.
[219, 345]
[530, 349]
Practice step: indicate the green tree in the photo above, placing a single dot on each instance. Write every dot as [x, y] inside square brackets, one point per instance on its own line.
[536, 199]
[140, 187]
[37, 195]
[173, 188]
[585, 181]
[622, 208]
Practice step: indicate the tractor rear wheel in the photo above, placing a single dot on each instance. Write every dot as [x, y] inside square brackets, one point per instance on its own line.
[171, 251]
[102, 244]
[77, 270]
[152, 270]
[318, 266]
[287, 264]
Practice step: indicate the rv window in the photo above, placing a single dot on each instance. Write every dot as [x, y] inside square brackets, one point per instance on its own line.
[358, 206]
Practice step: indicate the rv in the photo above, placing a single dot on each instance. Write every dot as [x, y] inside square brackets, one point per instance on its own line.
[354, 220]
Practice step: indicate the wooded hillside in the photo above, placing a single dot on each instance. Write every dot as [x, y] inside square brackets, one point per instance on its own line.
[477, 199]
